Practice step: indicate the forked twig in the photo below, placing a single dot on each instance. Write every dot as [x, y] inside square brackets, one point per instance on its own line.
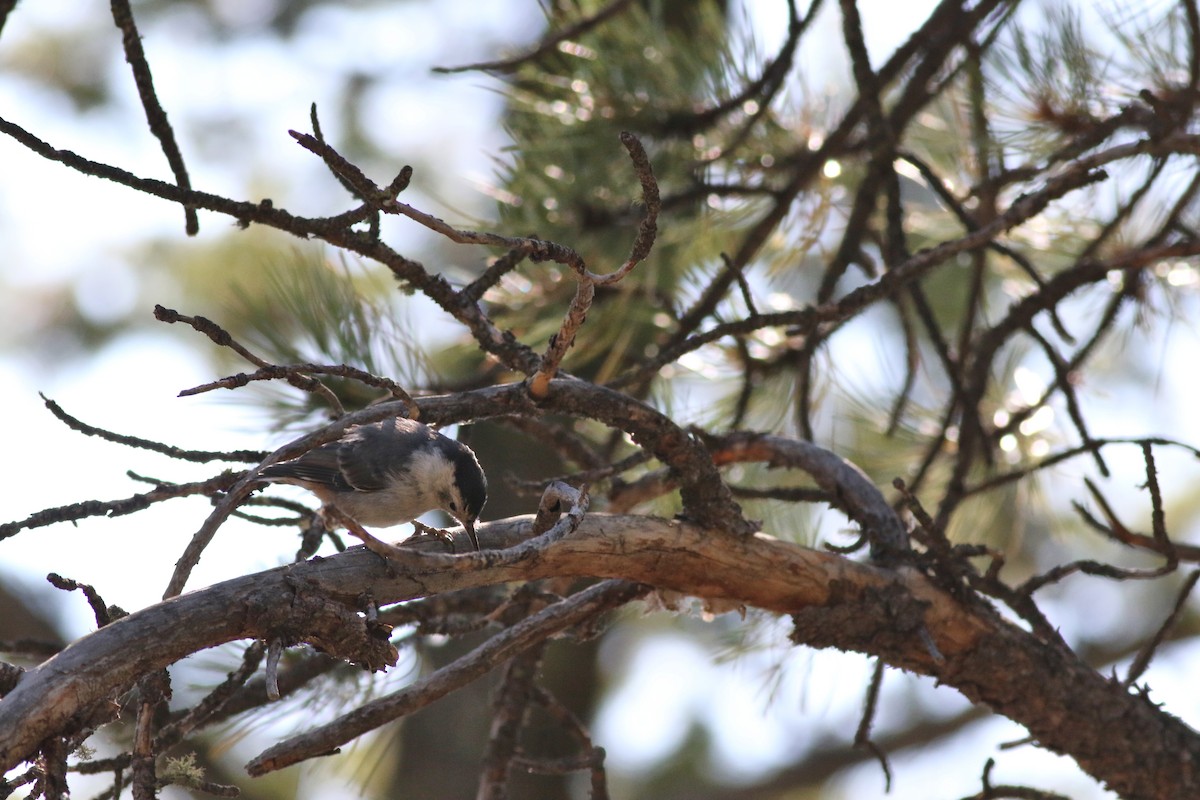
[221, 337]
[587, 281]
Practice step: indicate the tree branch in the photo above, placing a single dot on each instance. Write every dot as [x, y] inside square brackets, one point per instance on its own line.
[834, 602]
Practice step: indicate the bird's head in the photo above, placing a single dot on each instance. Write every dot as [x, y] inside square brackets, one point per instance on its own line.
[466, 495]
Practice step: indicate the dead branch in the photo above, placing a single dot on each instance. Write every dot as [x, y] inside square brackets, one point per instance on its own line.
[834, 602]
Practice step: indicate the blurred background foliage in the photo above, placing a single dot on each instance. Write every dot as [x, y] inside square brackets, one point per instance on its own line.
[532, 148]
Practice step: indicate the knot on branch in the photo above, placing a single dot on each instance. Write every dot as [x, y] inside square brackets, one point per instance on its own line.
[328, 626]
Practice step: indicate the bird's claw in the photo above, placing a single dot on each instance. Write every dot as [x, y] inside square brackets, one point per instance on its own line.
[421, 529]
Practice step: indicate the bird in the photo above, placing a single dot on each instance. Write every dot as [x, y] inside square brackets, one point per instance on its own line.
[389, 472]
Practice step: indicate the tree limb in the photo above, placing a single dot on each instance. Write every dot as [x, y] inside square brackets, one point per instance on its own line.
[1119, 737]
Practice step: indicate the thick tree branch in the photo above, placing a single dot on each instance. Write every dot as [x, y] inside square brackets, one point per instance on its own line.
[1120, 737]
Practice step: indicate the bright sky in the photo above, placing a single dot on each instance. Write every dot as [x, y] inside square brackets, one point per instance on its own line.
[130, 385]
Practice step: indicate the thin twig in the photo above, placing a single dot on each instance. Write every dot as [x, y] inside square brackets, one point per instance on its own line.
[1158, 514]
[131, 40]
[211, 704]
[585, 289]
[200, 456]
[862, 736]
[99, 608]
[291, 371]
[1065, 455]
[467, 668]
[550, 43]
[385, 201]
[742, 284]
[590, 758]
[1142, 660]
[116, 508]
[474, 291]
[221, 337]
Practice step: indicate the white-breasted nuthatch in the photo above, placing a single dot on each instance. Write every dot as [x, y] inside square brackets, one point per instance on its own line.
[388, 472]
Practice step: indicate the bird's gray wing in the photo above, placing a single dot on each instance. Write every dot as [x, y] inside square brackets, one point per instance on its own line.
[371, 454]
[319, 466]
[362, 460]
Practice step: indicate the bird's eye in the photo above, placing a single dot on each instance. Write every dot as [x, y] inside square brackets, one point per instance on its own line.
[453, 506]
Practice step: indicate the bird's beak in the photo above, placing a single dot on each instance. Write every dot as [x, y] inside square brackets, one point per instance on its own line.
[470, 526]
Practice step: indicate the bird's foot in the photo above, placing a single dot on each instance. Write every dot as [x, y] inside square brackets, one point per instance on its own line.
[421, 529]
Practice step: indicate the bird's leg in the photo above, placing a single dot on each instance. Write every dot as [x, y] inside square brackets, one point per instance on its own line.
[421, 529]
[376, 546]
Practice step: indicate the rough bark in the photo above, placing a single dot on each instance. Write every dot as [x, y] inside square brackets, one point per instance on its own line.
[1115, 734]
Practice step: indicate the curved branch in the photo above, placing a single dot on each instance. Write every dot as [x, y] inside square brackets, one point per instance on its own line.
[705, 496]
[585, 291]
[851, 489]
[1117, 736]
